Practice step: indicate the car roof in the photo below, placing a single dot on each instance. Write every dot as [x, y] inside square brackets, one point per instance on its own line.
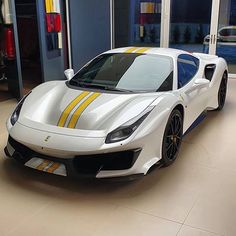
[228, 27]
[174, 53]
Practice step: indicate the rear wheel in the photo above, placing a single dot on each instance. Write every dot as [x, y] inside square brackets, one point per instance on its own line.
[222, 92]
[172, 138]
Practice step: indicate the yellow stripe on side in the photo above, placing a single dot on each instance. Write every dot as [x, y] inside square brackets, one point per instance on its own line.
[43, 165]
[53, 167]
[70, 107]
[142, 50]
[80, 110]
[130, 50]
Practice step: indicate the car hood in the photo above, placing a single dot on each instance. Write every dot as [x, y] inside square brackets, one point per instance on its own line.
[53, 106]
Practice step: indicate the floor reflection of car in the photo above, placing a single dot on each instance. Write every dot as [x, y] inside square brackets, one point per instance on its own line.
[225, 35]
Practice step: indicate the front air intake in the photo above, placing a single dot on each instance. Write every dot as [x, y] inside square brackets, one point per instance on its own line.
[92, 164]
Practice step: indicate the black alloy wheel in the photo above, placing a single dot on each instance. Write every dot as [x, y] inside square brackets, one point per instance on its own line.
[222, 92]
[172, 138]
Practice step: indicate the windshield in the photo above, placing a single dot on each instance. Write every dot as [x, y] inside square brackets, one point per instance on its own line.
[228, 32]
[127, 72]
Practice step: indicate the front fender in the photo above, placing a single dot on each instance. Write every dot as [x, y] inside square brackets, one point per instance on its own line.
[157, 119]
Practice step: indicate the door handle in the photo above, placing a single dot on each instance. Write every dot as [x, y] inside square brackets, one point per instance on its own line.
[211, 38]
[214, 41]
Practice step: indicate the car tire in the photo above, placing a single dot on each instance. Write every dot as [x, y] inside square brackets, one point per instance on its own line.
[222, 92]
[172, 138]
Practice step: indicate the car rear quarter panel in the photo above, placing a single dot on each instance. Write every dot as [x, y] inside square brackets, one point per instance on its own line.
[221, 68]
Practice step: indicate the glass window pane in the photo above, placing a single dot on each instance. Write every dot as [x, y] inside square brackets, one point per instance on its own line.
[137, 22]
[187, 68]
[226, 45]
[135, 72]
[190, 25]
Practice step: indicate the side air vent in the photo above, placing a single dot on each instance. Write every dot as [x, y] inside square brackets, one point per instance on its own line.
[209, 71]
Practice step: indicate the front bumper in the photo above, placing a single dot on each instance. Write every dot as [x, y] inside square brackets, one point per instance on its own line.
[83, 166]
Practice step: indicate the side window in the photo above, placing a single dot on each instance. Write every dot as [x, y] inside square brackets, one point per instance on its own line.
[187, 67]
[233, 32]
[224, 32]
[227, 32]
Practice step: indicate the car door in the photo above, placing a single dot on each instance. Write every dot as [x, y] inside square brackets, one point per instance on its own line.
[194, 95]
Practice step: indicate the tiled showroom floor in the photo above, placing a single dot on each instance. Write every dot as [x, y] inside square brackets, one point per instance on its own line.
[195, 196]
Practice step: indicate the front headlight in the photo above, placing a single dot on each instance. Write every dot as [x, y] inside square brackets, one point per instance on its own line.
[127, 129]
[16, 113]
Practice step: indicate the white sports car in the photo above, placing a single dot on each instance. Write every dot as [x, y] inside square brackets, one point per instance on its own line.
[122, 113]
[226, 35]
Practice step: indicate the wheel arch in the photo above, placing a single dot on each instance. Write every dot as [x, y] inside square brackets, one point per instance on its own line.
[180, 108]
[226, 72]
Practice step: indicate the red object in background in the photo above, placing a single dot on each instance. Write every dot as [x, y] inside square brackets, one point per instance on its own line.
[10, 44]
[57, 23]
[143, 19]
[49, 23]
[53, 22]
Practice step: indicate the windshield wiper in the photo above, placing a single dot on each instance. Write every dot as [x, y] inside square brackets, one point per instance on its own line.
[88, 85]
[119, 89]
[99, 86]
[83, 84]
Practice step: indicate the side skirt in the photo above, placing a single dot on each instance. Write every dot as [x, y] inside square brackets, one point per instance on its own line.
[196, 122]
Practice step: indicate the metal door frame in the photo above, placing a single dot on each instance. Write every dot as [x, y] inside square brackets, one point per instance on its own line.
[19, 93]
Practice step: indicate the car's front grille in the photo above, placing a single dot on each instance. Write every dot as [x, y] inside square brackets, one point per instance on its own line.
[88, 165]
[106, 161]
[22, 153]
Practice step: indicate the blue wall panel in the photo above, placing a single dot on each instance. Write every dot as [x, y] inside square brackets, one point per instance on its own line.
[90, 29]
[52, 68]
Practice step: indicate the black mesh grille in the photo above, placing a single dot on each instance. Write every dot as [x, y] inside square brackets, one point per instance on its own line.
[22, 153]
[108, 161]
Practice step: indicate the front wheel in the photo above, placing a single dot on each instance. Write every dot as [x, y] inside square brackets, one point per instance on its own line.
[172, 138]
[222, 92]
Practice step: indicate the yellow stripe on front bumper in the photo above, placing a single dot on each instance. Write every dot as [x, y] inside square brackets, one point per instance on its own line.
[43, 165]
[70, 107]
[81, 108]
[53, 167]
[142, 50]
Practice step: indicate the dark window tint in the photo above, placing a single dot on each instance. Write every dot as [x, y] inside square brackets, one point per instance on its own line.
[224, 32]
[233, 32]
[228, 32]
[124, 71]
[187, 68]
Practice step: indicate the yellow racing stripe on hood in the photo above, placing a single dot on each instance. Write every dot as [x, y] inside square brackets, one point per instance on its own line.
[70, 107]
[142, 50]
[130, 50]
[81, 108]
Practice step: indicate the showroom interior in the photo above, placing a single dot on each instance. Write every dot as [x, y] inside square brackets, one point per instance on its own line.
[40, 39]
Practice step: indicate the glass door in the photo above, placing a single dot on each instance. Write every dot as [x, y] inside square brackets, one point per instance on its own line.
[226, 35]
[206, 26]
[190, 25]
[137, 23]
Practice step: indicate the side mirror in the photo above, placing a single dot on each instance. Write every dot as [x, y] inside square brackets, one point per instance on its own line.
[202, 82]
[69, 73]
